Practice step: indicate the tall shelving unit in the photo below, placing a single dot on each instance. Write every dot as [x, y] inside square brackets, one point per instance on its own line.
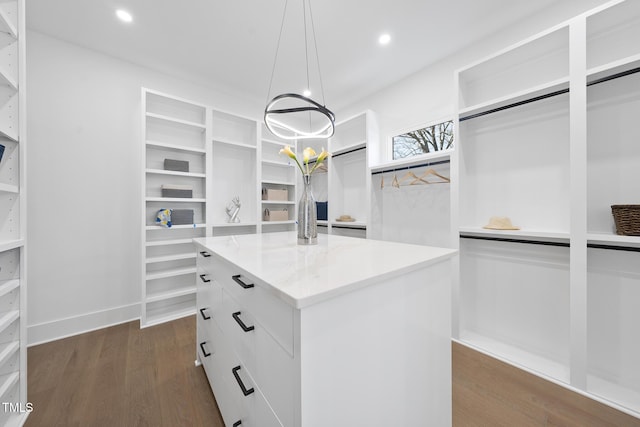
[346, 184]
[546, 136]
[277, 172]
[13, 249]
[234, 174]
[174, 129]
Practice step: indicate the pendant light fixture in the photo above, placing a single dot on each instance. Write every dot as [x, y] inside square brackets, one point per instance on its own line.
[294, 116]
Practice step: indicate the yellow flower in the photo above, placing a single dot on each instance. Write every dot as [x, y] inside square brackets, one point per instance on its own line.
[307, 154]
[287, 150]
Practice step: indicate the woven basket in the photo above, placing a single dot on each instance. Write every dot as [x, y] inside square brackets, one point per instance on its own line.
[627, 219]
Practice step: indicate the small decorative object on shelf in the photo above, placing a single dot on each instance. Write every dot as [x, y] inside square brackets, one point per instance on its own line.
[500, 223]
[307, 211]
[233, 209]
[627, 219]
[345, 218]
[1, 151]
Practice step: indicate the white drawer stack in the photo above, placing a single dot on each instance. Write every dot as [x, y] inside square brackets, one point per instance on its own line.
[337, 334]
[246, 344]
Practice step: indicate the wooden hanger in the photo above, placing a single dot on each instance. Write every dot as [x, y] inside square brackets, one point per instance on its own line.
[432, 172]
[395, 182]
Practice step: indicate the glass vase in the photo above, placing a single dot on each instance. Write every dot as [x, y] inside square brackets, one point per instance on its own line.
[307, 215]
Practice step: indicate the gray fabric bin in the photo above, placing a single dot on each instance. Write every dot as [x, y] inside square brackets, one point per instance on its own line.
[173, 192]
[181, 216]
[176, 165]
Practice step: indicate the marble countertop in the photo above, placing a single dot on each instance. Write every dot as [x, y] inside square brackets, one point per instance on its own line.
[305, 275]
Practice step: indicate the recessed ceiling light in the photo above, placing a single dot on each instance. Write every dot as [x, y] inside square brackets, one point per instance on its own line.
[124, 16]
[384, 39]
[307, 93]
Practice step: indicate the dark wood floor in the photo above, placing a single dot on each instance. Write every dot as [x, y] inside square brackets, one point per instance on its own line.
[125, 376]
[121, 376]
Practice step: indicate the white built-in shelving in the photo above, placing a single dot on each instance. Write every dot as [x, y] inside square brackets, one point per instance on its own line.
[234, 172]
[547, 136]
[176, 129]
[277, 172]
[345, 184]
[13, 215]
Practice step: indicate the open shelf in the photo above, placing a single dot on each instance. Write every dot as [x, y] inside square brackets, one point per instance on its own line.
[278, 202]
[8, 286]
[172, 272]
[164, 310]
[8, 381]
[278, 222]
[279, 164]
[8, 80]
[234, 143]
[176, 147]
[276, 182]
[8, 245]
[344, 224]
[532, 235]
[613, 240]
[234, 224]
[352, 147]
[177, 120]
[8, 17]
[159, 227]
[174, 257]
[517, 98]
[175, 173]
[8, 318]
[168, 242]
[7, 350]
[175, 199]
[161, 296]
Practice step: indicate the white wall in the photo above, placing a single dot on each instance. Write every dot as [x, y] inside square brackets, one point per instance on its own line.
[84, 157]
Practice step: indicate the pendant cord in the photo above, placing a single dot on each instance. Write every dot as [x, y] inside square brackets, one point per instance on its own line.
[306, 50]
[315, 44]
[275, 60]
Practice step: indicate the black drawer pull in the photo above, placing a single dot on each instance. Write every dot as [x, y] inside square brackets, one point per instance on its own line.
[204, 316]
[237, 423]
[236, 317]
[204, 352]
[240, 383]
[205, 254]
[236, 279]
[202, 277]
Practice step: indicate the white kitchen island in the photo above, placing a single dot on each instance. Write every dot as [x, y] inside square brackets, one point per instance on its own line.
[349, 332]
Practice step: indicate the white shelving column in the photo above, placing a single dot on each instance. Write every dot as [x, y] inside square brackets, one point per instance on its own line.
[233, 173]
[613, 178]
[277, 172]
[13, 249]
[548, 136]
[349, 191]
[174, 129]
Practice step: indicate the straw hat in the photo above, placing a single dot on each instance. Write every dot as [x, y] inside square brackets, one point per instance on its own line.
[500, 223]
[345, 218]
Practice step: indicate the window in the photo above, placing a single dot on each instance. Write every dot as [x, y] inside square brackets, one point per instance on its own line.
[437, 137]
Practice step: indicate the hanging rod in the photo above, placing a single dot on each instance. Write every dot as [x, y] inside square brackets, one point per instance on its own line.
[614, 76]
[348, 227]
[549, 95]
[507, 239]
[612, 247]
[515, 104]
[349, 151]
[411, 167]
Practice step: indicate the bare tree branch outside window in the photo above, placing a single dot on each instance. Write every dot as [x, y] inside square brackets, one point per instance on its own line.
[430, 139]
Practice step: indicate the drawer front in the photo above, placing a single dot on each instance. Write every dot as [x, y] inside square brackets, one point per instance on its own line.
[275, 315]
[262, 357]
[253, 407]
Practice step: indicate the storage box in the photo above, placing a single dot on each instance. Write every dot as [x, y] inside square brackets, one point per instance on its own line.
[181, 216]
[275, 215]
[275, 195]
[322, 208]
[176, 165]
[182, 191]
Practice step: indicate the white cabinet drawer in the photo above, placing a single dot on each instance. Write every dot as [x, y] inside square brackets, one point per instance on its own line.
[273, 314]
[264, 359]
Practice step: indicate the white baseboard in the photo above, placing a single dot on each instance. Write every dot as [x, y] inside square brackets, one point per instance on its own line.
[62, 328]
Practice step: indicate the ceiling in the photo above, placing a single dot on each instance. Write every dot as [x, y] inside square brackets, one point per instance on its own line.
[230, 44]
